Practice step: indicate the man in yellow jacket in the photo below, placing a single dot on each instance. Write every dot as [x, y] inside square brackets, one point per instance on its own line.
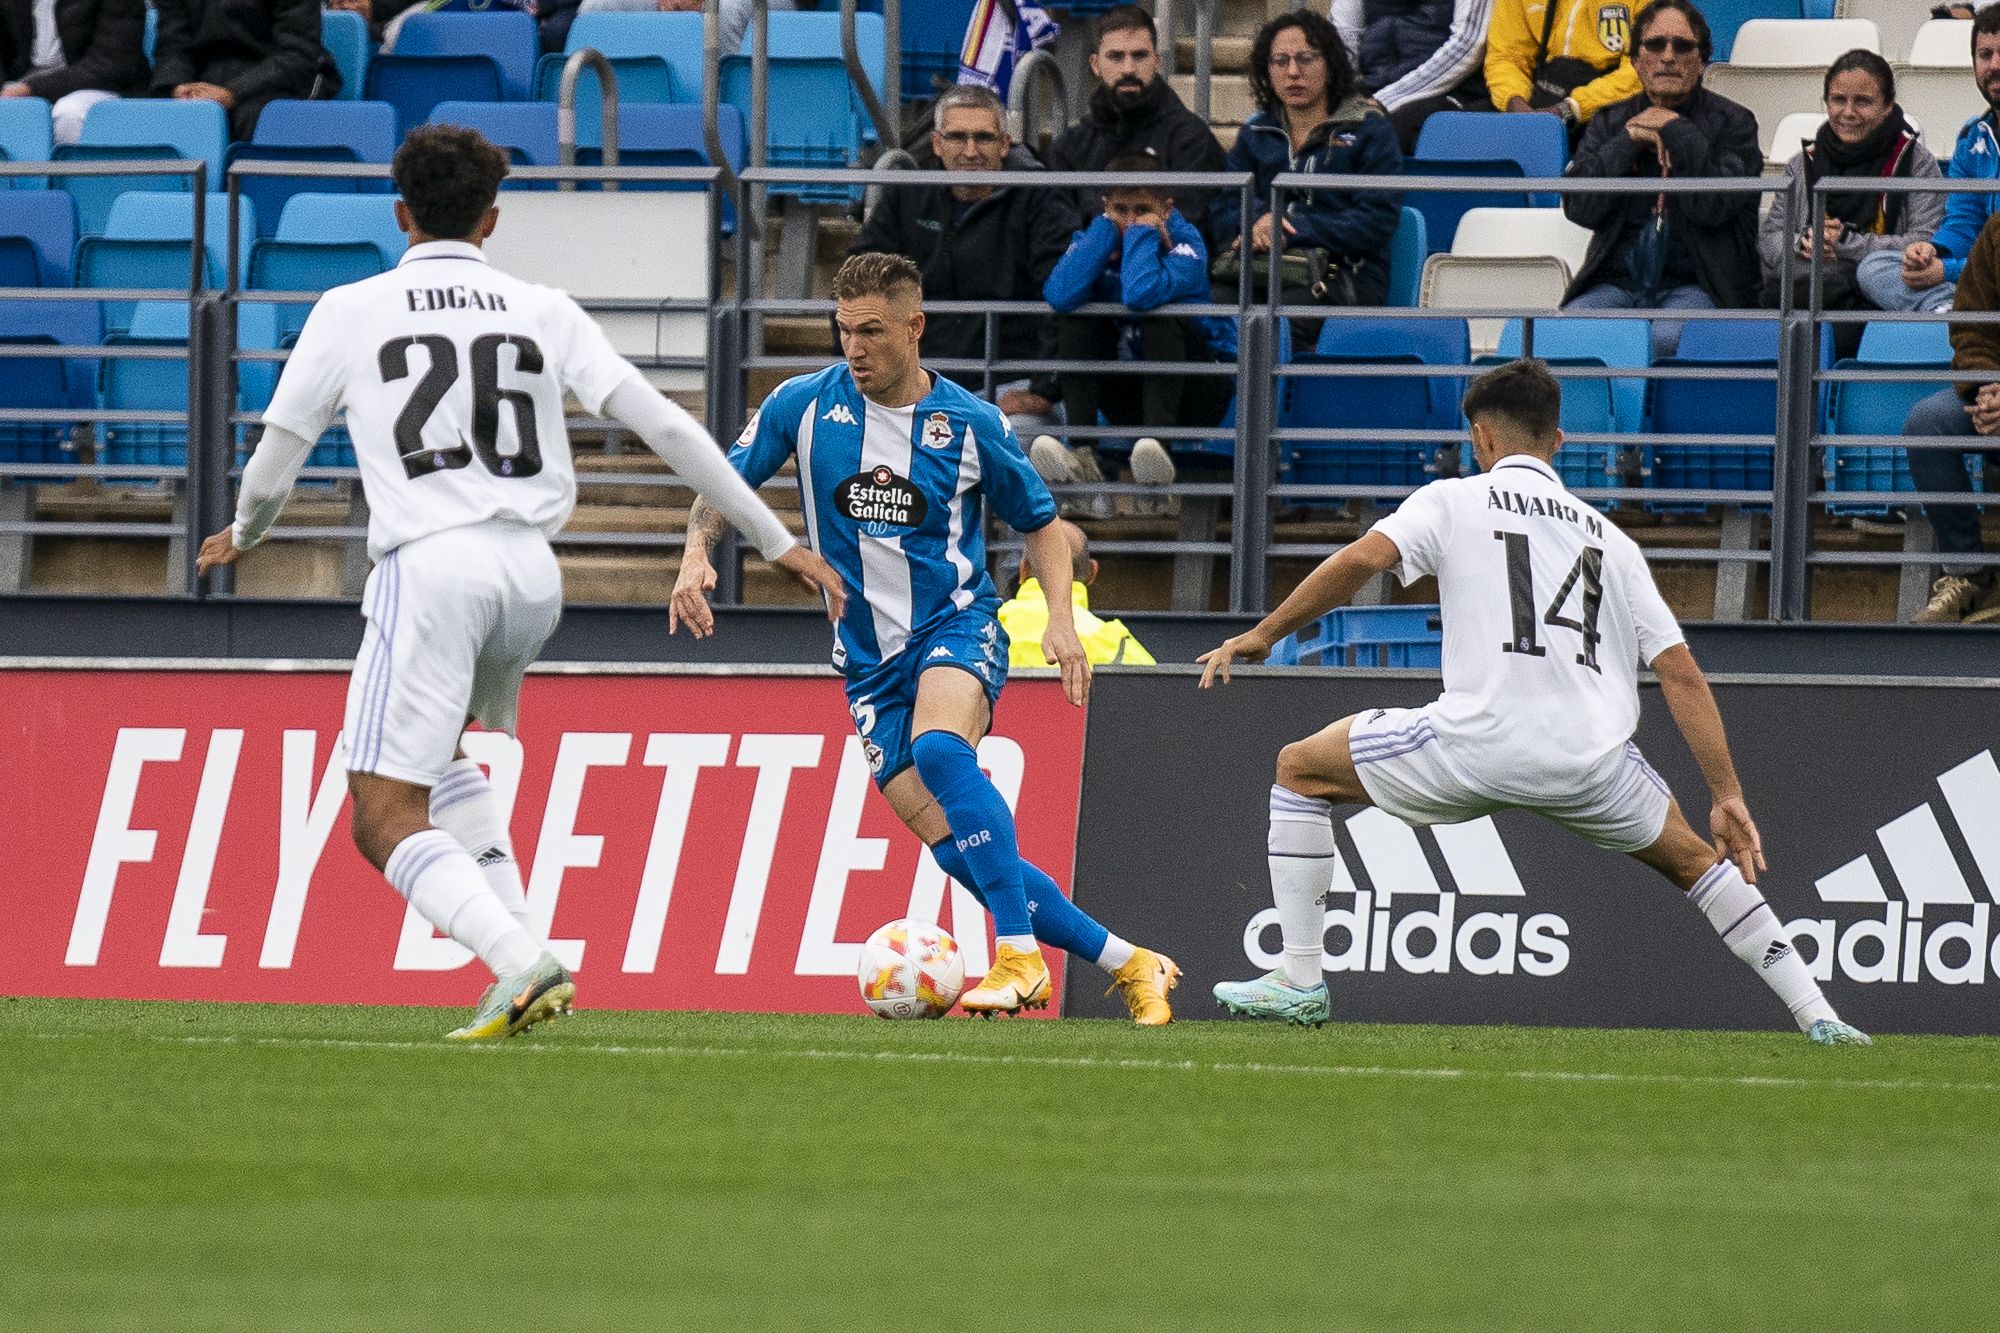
[1587, 66]
[1105, 642]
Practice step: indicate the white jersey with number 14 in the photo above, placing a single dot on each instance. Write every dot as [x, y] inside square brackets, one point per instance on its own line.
[453, 375]
[1549, 611]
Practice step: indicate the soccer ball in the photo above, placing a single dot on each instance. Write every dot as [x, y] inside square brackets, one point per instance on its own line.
[911, 969]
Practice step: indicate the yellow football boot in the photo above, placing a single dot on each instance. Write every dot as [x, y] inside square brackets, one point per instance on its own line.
[1143, 984]
[1016, 981]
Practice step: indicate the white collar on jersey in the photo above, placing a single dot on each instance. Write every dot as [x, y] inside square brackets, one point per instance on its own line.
[1527, 461]
[442, 250]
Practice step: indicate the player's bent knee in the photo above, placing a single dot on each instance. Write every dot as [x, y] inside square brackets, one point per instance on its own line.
[385, 813]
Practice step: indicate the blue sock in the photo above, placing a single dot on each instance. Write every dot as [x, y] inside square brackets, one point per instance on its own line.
[982, 827]
[1058, 922]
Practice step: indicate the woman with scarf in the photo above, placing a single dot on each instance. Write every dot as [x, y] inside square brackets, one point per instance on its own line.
[1865, 136]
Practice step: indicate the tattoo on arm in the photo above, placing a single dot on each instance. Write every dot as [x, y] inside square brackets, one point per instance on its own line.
[705, 526]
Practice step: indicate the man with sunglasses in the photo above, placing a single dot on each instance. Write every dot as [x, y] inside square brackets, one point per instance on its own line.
[1668, 251]
[980, 243]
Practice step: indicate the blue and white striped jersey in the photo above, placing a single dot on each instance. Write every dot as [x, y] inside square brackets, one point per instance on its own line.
[893, 497]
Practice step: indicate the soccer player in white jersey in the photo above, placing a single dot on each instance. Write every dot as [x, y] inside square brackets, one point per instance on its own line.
[1548, 613]
[895, 466]
[453, 376]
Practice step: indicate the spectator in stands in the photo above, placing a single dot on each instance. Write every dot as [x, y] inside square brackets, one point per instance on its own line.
[1963, 592]
[1864, 135]
[1310, 118]
[73, 53]
[379, 15]
[1134, 109]
[1927, 270]
[1141, 253]
[1026, 615]
[1685, 251]
[735, 15]
[980, 243]
[240, 54]
[1568, 58]
[1416, 57]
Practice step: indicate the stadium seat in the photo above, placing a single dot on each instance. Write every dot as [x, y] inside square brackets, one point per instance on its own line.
[810, 120]
[932, 35]
[42, 382]
[413, 85]
[526, 129]
[1519, 283]
[657, 135]
[808, 35]
[1367, 636]
[1790, 42]
[507, 36]
[46, 219]
[150, 384]
[147, 244]
[25, 136]
[346, 217]
[1717, 407]
[1539, 143]
[1495, 233]
[1726, 16]
[1442, 209]
[1789, 135]
[1407, 248]
[1593, 406]
[323, 241]
[1896, 20]
[140, 128]
[657, 57]
[301, 131]
[1880, 409]
[344, 34]
[1939, 100]
[1380, 401]
[1942, 44]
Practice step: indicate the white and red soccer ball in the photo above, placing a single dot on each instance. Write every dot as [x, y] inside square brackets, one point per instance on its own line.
[911, 969]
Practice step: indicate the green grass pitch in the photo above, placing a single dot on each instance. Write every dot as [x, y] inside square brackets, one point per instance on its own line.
[185, 1166]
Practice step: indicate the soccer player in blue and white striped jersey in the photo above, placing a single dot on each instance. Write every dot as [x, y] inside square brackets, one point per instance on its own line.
[896, 467]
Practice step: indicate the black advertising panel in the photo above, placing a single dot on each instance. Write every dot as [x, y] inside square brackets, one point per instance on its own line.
[1879, 805]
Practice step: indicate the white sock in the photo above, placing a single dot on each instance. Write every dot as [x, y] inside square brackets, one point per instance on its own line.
[1752, 931]
[1022, 943]
[1301, 854]
[1115, 953]
[443, 883]
[463, 805]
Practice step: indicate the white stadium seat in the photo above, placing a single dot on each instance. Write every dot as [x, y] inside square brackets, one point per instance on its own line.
[1514, 282]
[1790, 131]
[1520, 233]
[1796, 42]
[1940, 100]
[1771, 92]
[1896, 20]
[1943, 44]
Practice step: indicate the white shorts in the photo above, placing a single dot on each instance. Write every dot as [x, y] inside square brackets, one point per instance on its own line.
[1406, 772]
[453, 620]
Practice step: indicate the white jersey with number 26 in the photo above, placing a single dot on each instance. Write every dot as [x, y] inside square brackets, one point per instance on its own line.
[1549, 611]
[453, 375]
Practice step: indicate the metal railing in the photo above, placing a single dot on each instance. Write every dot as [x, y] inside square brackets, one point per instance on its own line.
[1258, 436]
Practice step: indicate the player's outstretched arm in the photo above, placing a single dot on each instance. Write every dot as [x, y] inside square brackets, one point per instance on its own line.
[678, 438]
[1334, 583]
[267, 483]
[1049, 557]
[1700, 721]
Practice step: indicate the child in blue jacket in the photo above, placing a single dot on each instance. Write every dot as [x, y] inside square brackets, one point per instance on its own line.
[1142, 254]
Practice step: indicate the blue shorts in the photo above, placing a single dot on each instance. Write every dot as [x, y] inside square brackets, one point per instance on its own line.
[883, 699]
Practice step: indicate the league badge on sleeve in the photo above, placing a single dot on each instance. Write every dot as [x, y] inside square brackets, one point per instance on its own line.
[750, 428]
[937, 431]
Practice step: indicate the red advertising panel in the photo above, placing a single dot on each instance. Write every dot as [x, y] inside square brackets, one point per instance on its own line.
[707, 842]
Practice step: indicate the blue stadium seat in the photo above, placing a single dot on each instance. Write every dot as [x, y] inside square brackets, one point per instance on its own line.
[147, 130]
[657, 58]
[20, 262]
[810, 35]
[413, 85]
[507, 36]
[1367, 636]
[1407, 250]
[148, 384]
[809, 122]
[1381, 401]
[47, 220]
[1881, 409]
[1592, 406]
[932, 36]
[1540, 144]
[146, 244]
[324, 241]
[367, 128]
[68, 323]
[526, 129]
[31, 382]
[346, 217]
[344, 34]
[1442, 209]
[1717, 407]
[1726, 16]
[25, 136]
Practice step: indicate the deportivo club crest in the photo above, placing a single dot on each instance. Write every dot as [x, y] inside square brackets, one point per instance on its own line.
[1614, 25]
[937, 431]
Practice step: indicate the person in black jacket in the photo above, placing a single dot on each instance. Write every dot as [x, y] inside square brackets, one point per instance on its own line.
[241, 54]
[1675, 251]
[980, 243]
[74, 55]
[1133, 110]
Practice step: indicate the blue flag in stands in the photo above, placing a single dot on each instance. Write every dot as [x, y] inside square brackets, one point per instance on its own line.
[999, 33]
